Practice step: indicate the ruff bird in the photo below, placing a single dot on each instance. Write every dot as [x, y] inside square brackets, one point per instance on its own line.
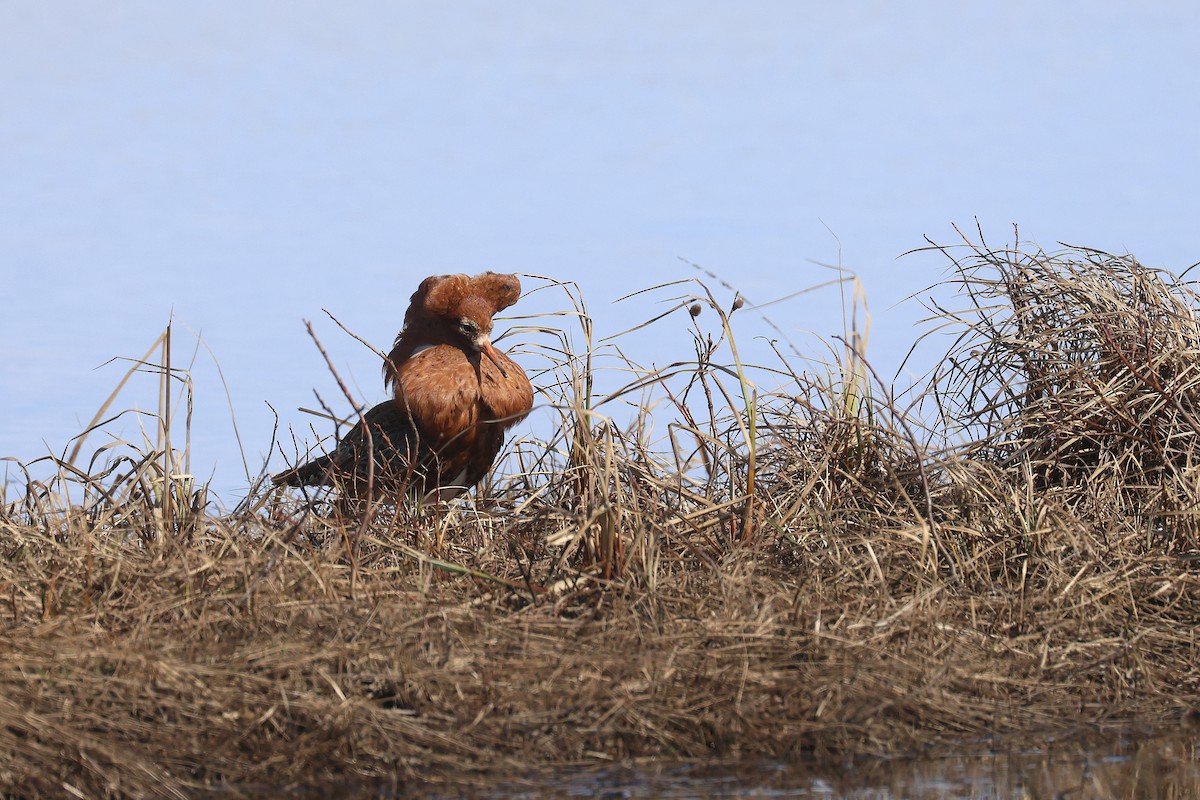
[454, 396]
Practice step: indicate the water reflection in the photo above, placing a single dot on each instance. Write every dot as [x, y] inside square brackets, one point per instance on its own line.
[1162, 766]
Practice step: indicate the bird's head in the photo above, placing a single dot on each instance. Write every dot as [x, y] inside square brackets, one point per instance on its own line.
[456, 309]
[472, 319]
[474, 325]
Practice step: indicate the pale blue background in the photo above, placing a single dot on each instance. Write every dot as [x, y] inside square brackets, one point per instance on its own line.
[241, 165]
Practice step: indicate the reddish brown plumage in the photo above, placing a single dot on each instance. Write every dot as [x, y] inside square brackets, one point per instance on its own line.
[454, 395]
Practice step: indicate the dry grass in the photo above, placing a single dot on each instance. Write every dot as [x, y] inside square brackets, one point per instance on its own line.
[808, 570]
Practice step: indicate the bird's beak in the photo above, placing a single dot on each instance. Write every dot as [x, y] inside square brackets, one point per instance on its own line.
[485, 347]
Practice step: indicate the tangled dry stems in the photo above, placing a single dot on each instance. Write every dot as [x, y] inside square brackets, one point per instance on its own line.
[877, 587]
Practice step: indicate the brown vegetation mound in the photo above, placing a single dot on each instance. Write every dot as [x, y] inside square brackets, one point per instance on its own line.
[805, 572]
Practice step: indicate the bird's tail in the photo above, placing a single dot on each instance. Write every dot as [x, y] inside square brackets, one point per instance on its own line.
[315, 473]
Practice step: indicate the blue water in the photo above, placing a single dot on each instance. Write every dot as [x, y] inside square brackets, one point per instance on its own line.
[1140, 765]
[238, 167]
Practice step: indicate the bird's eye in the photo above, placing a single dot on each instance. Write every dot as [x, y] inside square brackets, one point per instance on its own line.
[468, 327]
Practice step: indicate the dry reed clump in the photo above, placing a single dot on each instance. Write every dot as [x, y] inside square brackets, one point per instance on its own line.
[796, 572]
[1081, 370]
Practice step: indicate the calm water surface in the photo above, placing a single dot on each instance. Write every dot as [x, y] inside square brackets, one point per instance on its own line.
[1158, 766]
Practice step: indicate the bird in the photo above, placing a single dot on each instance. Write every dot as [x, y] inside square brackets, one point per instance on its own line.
[454, 396]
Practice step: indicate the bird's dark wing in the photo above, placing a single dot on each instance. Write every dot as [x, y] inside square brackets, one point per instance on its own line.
[382, 450]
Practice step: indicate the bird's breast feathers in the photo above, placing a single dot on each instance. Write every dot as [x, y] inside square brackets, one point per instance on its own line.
[508, 396]
[446, 393]
[441, 392]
